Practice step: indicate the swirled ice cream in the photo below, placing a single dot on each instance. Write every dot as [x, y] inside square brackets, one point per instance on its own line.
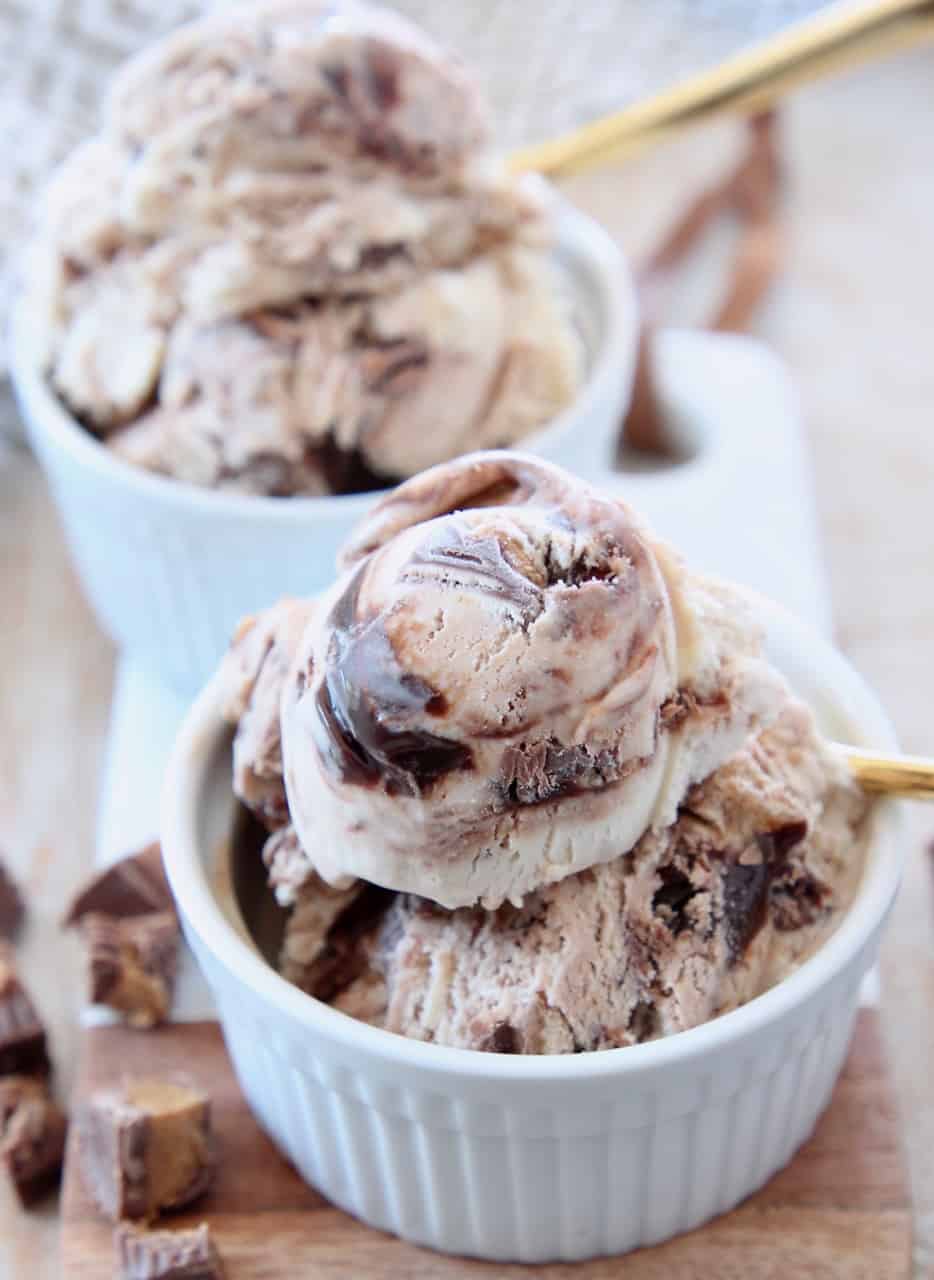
[528, 781]
[510, 682]
[698, 918]
[290, 248]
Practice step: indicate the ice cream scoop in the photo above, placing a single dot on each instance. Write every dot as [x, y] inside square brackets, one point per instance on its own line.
[510, 682]
[292, 261]
[329, 139]
[699, 918]
[344, 395]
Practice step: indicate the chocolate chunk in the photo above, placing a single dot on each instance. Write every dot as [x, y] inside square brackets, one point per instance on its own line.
[798, 899]
[145, 1147]
[167, 1255]
[22, 1036]
[32, 1137]
[381, 77]
[347, 471]
[504, 1038]
[747, 883]
[134, 886]
[777, 844]
[132, 964]
[602, 561]
[745, 897]
[12, 909]
[378, 255]
[643, 1021]
[536, 772]
[15, 1090]
[670, 900]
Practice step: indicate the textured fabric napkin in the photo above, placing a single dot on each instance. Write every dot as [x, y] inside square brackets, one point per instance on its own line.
[546, 64]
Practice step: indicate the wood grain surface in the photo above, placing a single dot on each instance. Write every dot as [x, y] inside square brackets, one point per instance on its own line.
[839, 1209]
[852, 318]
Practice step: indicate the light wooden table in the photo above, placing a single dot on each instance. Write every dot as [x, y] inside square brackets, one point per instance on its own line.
[853, 318]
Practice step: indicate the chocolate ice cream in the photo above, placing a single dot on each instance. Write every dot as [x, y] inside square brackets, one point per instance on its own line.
[290, 248]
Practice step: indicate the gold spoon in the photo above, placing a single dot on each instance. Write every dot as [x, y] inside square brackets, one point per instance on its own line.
[840, 36]
[895, 775]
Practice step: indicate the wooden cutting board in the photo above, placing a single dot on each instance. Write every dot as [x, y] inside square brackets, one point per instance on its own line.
[840, 1209]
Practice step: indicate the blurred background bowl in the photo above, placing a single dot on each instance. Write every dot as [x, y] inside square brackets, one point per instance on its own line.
[170, 568]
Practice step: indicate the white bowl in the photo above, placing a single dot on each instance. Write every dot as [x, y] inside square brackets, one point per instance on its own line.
[170, 569]
[532, 1158]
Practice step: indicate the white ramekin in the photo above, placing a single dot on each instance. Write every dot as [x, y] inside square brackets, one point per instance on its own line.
[533, 1158]
[170, 569]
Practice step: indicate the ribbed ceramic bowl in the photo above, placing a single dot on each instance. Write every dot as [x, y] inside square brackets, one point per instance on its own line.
[532, 1158]
[170, 569]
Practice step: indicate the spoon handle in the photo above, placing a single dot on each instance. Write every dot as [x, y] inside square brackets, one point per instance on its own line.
[837, 37]
[894, 775]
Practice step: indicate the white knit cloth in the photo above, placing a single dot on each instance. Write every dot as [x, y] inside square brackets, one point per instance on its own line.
[546, 64]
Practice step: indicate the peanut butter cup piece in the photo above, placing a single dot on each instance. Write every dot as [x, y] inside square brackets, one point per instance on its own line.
[132, 964]
[167, 1255]
[23, 1049]
[32, 1137]
[146, 1146]
[134, 886]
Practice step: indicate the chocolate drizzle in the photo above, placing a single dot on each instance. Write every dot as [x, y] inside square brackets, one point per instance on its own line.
[364, 700]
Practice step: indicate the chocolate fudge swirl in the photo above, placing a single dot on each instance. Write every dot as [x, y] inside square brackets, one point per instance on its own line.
[498, 651]
[362, 687]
